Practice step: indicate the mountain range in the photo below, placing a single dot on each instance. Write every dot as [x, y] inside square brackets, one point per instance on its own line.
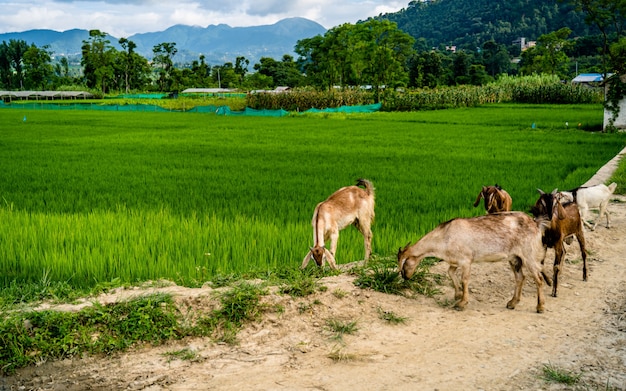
[218, 43]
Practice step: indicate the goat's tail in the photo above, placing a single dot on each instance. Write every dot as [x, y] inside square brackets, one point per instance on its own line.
[369, 187]
[612, 187]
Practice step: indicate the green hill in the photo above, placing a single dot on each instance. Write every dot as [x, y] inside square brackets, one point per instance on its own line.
[470, 23]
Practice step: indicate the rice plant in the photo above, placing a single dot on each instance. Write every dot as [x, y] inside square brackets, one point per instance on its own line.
[95, 197]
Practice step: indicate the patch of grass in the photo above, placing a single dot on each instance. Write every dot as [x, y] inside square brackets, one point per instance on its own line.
[381, 275]
[36, 336]
[301, 283]
[185, 354]
[340, 328]
[555, 374]
[222, 280]
[340, 293]
[390, 317]
[238, 305]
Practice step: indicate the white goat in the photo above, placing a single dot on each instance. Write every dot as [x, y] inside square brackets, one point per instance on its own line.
[592, 197]
[496, 199]
[511, 236]
[348, 205]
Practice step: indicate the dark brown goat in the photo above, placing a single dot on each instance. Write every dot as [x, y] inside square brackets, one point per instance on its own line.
[565, 221]
[496, 199]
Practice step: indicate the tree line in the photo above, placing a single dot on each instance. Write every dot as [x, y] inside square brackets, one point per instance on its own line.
[374, 53]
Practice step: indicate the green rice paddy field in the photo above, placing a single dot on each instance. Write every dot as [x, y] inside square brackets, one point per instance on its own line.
[88, 196]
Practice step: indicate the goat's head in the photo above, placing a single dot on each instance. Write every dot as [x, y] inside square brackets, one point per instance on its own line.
[406, 262]
[318, 253]
[543, 206]
[491, 195]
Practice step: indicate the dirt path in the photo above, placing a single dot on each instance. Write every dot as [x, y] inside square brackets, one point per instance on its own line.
[485, 347]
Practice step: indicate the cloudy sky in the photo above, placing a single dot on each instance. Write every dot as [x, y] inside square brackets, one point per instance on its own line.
[123, 18]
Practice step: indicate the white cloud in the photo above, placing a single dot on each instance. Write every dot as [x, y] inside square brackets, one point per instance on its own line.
[123, 18]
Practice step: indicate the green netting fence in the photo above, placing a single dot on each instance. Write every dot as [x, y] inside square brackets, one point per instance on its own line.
[218, 110]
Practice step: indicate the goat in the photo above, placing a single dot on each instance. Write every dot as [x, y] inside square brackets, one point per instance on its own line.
[496, 199]
[348, 205]
[592, 197]
[565, 221]
[512, 236]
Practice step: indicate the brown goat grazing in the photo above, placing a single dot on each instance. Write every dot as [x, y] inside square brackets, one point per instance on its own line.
[496, 199]
[511, 236]
[348, 205]
[565, 221]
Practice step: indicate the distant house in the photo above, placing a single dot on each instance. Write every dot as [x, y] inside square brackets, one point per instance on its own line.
[589, 79]
[277, 90]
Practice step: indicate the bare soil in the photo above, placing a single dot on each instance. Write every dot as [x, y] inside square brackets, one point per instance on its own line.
[485, 347]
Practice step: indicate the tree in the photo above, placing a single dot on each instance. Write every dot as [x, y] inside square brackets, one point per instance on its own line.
[11, 63]
[241, 68]
[134, 68]
[495, 58]
[609, 16]
[461, 64]
[283, 73]
[388, 54]
[426, 69]
[549, 55]
[162, 61]
[97, 61]
[200, 72]
[374, 53]
[6, 74]
[37, 67]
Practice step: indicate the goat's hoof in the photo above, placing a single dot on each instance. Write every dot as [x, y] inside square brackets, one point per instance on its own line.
[459, 306]
[540, 310]
[511, 305]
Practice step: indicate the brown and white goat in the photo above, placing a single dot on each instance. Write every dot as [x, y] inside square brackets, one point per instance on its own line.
[496, 199]
[511, 236]
[348, 205]
[565, 221]
[592, 197]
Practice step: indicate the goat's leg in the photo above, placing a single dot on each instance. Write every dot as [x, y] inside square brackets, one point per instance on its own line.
[458, 293]
[516, 266]
[367, 241]
[603, 211]
[559, 252]
[540, 299]
[465, 277]
[583, 216]
[334, 237]
[583, 253]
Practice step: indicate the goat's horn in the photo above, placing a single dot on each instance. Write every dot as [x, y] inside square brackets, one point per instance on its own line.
[540, 191]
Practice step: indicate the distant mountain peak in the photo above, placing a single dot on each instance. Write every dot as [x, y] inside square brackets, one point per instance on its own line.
[218, 43]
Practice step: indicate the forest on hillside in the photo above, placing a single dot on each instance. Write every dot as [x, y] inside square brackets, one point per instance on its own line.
[468, 24]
